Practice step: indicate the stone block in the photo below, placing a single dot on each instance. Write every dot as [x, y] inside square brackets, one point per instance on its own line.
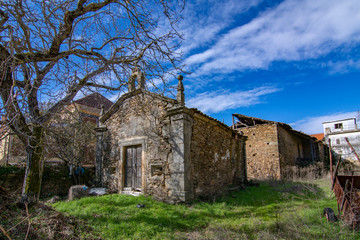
[77, 191]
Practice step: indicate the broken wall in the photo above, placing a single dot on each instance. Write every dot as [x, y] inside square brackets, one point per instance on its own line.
[262, 151]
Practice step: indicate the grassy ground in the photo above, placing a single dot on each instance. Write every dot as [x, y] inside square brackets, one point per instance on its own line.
[274, 210]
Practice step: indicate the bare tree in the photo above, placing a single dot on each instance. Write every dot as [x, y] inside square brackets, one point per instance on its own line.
[52, 49]
[71, 138]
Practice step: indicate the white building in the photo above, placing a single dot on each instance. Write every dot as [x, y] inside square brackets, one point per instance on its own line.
[340, 130]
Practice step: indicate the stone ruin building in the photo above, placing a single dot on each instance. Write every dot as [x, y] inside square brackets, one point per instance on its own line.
[271, 147]
[154, 145]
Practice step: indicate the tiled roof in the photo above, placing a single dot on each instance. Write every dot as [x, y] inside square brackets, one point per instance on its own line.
[318, 136]
[95, 100]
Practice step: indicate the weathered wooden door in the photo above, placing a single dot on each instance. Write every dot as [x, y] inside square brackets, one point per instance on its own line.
[133, 167]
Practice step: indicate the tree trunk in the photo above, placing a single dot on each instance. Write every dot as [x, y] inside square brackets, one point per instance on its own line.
[34, 167]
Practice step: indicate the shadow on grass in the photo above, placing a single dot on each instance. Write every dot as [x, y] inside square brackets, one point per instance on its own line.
[248, 211]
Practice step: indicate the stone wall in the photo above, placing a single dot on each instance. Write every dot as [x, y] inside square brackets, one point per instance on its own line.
[324, 154]
[296, 149]
[184, 153]
[139, 120]
[217, 157]
[262, 151]
[272, 147]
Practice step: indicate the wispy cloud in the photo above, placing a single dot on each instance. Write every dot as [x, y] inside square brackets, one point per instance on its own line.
[201, 29]
[217, 101]
[312, 125]
[343, 66]
[292, 31]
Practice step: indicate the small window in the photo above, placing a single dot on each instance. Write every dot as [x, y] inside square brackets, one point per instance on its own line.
[337, 141]
[156, 170]
[338, 125]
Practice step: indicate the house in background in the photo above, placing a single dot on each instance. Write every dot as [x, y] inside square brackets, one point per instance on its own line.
[344, 137]
[11, 148]
[76, 123]
[4, 144]
[273, 146]
[154, 145]
[319, 136]
[86, 109]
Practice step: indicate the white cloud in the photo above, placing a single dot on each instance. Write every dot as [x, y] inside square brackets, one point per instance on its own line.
[313, 125]
[343, 66]
[292, 31]
[217, 101]
[114, 97]
[201, 28]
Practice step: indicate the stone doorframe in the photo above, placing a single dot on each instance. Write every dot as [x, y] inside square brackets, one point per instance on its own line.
[123, 144]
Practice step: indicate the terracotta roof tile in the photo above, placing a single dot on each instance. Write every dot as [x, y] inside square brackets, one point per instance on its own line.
[318, 136]
[95, 100]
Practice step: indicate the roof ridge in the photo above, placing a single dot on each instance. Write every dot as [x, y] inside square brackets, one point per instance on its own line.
[94, 100]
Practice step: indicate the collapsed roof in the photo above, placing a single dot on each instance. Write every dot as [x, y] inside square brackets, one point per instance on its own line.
[246, 121]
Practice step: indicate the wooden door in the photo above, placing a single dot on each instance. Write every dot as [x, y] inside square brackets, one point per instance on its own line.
[133, 167]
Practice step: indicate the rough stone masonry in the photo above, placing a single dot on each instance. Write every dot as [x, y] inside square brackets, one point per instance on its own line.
[156, 146]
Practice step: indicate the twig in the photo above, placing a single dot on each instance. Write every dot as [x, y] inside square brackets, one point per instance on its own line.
[5, 233]
[28, 217]
[18, 223]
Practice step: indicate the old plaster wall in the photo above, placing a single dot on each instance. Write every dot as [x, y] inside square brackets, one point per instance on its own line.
[217, 157]
[262, 151]
[140, 120]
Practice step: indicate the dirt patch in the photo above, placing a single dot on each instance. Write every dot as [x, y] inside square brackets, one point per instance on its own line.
[39, 221]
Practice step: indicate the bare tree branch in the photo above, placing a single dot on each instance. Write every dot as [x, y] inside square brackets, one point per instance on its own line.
[52, 50]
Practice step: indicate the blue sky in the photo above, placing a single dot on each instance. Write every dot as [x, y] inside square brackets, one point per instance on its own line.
[290, 61]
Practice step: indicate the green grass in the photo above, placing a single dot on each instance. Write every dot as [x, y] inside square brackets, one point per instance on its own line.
[274, 210]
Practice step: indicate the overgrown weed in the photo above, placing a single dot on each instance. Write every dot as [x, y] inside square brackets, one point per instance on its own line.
[274, 210]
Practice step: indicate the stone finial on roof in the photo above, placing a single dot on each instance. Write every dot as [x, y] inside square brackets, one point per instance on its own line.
[102, 112]
[180, 96]
[131, 83]
[136, 75]
[141, 80]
